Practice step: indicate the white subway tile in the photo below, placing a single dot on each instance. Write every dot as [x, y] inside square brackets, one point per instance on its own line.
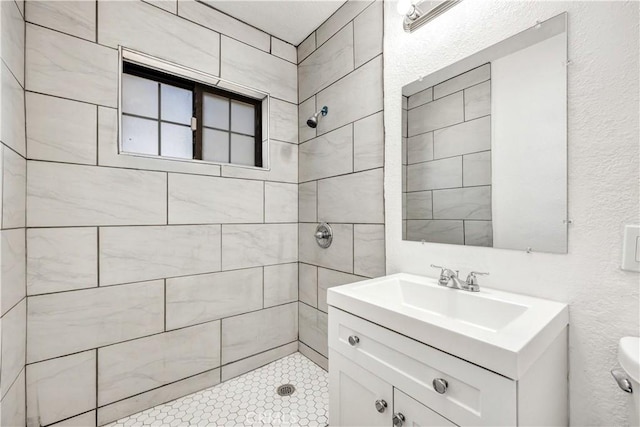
[438, 114]
[367, 33]
[368, 250]
[444, 173]
[313, 328]
[368, 143]
[356, 197]
[280, 284]
[71, 17]
[307, 202]
[464, 138]
[338, 256]
[254, 245]
[308, 284]
[14, 331]
[327, 155]
[12, 268]
[280, 202]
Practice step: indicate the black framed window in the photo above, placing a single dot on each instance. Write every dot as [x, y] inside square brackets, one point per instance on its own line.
[170, 116]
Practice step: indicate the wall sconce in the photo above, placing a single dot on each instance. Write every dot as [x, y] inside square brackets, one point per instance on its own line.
[415, 17]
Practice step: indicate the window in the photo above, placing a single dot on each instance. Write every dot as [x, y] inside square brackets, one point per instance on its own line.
[169, 116]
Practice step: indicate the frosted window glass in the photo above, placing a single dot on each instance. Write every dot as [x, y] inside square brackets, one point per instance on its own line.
[139, 96]
[177, 141]
[243, 150]
[215, 111]
[176, 105]
[243, 118]
[139, 135]
[215, 145]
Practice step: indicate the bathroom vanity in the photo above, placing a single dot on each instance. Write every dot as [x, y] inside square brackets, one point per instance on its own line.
[406, 351]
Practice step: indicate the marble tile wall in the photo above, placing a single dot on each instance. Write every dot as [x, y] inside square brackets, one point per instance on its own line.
[146, 279]
[340, 162]
[447, 161]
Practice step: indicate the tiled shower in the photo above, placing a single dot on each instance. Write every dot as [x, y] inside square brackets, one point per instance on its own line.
[130, 281]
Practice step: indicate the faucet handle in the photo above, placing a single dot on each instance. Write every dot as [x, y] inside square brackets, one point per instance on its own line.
[443, 280]
[438, 266]
[472, 280]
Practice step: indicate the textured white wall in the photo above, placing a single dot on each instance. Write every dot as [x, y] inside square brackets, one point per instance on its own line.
[603, 177]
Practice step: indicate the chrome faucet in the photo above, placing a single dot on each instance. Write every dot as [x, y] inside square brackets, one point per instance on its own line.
[450, 279]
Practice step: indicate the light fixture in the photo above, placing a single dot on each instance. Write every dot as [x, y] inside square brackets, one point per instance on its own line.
[414, 17]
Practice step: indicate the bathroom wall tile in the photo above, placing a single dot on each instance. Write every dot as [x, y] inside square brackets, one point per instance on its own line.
[243, 366]
[149, 399]
[420, 98]
[86, 195]
[70, 17]
[307, 47]
[330, 278]
[338, 256]
[467, 137]
[14, 331]
[437, 114]
[13, 404]
[462, 203]
[339, 19]
[313, 328]
[352, 198]
[328, 63]
[420, 148]
[88, 419]
[140, 365]
[280, 202]
[477, 101]
[306, 109]
[61, 388]
[283, 163]
[476, 169]
[12, 268]
[131, 254]
[405, 149]
[478, 233]
[368, 250]
[307, 202]
[208, 200]
[205, 297]
[14, 176]
[327, 155]
[61, 259]
[62, 65]
[284, 50]
[168, 5]
[404, 123]
[368, 143]
[308, 284]
[367, 34]
[61, 130]
[314, 356]
[12, 122]
[283, 121]
[470, 78]
[280, 284]
[357, 95]
[211, 18]
[445, 173]
[12, 44]
[255, 332]
[436, 231]
[148, 29]
[239, 64]
[70, 322]
[20, 4]
[419, 205]
[258, 244]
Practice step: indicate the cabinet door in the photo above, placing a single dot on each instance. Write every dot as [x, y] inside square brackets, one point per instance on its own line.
[416, 414]
[353, 393]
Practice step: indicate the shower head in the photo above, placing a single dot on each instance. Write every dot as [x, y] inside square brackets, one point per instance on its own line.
[313, 120]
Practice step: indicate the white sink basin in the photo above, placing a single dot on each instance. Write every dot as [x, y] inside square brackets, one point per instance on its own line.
[498, 330]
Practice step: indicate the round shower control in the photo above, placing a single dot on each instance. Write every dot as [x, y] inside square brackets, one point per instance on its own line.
[324, 235]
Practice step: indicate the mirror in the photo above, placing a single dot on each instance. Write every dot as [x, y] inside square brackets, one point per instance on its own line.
[484, 146]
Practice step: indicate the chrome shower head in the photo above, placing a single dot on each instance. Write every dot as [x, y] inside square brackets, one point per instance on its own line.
[313, 120]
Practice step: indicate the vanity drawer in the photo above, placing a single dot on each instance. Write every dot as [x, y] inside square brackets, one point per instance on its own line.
[473, 396]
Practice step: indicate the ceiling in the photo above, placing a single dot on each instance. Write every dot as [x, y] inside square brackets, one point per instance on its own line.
[289, 20]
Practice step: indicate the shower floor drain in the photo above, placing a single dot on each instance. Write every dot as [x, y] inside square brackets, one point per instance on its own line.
[286, 389]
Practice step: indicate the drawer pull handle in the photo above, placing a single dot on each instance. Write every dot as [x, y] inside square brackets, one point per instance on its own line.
[381, 405]
[440, 385]
[354, 340]
[398, 419]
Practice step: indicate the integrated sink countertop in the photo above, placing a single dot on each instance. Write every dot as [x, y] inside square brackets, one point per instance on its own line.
[498, 330]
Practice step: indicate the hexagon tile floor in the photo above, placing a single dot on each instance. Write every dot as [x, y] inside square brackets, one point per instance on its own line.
[249, 400]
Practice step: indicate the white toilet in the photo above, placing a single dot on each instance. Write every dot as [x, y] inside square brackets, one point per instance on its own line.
[629, 377]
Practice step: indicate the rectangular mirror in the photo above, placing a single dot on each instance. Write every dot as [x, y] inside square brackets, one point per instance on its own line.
[484, 146]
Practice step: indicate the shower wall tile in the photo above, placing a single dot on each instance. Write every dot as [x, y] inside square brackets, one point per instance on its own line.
[13, 39]
[239, 64]
[12, 129]
[478, 233]
[356, 197]
[14, 175]
[477, 101]
[368, 143]
[329, 278]
[419, 98]
[438, 114]
[68, 67]
[12, 268]
[314, 356]
[367, 33]
[13, 404]
[444, 173]
[338, 256]
[61, 130]
[206, 297]
[280, 284]
[476, 169]
[255, 332]
[470, 78]
[308, 284]
[306, 109]
[61, 388]
[69, 322]
[73, 18]
[307, 47]
[61, 259]
[313, 328]
[12, 349]
[211, 200]
[147, 29]
[462, 203]
[253, 362]
[419, 205]
[283, 119]
[168, 5]
[368, 250]
[140, 365]
[327, 155]
[420, 148]
[86, 195]
[436, 231]
[88, 419]
[284, 50]
[467, 137]
[307, 202]
[131, 254]
[339, 19]
[283, 162]
[280, 202]
[254, 245]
